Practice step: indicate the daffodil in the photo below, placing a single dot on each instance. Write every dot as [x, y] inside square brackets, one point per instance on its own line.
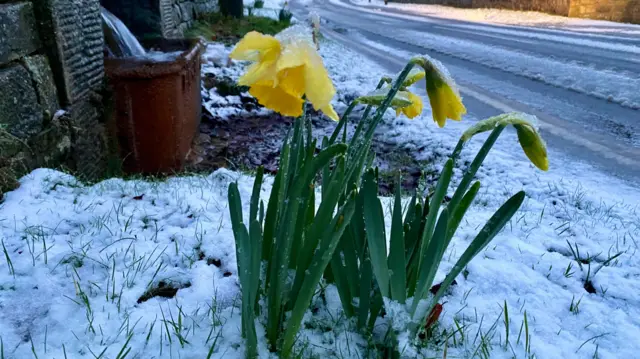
[530, 140]
[533, 146]
[414, 109]
[443, 94]
[403, 102]
[286, 68]
[377, 97]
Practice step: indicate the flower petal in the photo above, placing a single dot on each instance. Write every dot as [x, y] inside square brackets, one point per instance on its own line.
[277, 99]
[445, 103]
[415, 109]
[330, 112]
[255, 46]
[318, 86]
[292, 80]
[260, 71]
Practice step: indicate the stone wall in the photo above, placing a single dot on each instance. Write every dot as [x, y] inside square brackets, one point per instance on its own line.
[613, 10]
[178, 15]
[50, 78]
[155, 18]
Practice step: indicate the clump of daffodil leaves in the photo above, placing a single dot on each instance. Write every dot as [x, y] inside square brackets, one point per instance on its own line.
[302, 239]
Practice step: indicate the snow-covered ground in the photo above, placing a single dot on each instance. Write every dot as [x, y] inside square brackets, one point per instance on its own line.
[510, 17]
[78, 259]
[595, 79]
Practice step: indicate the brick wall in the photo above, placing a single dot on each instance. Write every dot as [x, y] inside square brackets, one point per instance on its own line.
[50, 59]
[613, 10]
[154, 18]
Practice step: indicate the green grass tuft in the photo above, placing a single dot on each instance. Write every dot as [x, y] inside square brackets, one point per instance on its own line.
[215, 26]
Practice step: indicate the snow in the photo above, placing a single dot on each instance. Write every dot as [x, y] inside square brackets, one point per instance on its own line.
[270, 9]
[611, 84]
[116, 239]
[510, 17]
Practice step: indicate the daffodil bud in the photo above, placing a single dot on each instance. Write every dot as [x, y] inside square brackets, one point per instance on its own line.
[482, 126]
[416, 74]
[533, 146]
[443, 93]
[314, 18]
[377, 97]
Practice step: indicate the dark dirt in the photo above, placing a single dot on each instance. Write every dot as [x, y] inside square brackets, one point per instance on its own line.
[165, 290]
[245, 142]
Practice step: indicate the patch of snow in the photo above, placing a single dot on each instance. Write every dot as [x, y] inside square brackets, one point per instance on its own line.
[509, 17]
[107, 244]
[606, 84]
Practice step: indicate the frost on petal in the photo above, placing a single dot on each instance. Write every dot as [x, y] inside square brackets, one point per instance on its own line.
[443, 73]
[295, 33]
[444, 95]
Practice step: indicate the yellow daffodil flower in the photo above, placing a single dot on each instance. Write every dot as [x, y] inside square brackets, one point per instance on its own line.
[443, 94]
[286, 68]
[414, 109]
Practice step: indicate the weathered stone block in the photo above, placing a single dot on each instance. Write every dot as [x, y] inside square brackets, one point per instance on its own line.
[186, 11]
[52, 145]
[18, 32]
[19, 113]
[177, 14]
[72, 30]
[42, 76]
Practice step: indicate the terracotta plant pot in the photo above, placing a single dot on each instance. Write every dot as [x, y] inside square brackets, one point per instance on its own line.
[156, 106]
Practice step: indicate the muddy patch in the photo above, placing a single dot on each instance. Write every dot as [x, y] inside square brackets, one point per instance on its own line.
[237, 133]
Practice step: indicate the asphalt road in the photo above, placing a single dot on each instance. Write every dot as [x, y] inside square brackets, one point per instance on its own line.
[577, 117]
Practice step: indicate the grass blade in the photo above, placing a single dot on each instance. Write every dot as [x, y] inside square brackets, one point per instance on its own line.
[460, 210]
[285, 235]
[255, 195]
[397, 265]
[431, 260]
[328, 244]
[434, 207]
[374, 224]
[474, 166]
[488, 232]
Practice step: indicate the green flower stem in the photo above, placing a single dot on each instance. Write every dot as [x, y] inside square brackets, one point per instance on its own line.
[377, 117]
[342, 122]
[475, 165]
[457, 150]
[365, 115]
